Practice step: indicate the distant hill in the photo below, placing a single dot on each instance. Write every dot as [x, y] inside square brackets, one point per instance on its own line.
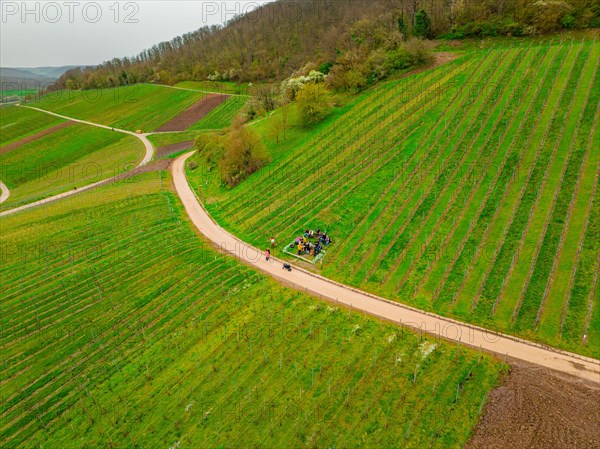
[13, 78]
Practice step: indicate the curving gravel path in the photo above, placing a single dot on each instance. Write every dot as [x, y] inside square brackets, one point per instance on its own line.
[5, 193]
[584, 368]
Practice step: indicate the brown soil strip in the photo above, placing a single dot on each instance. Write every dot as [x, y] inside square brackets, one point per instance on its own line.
[174, 148]
[537, 408]
[194, 113]
[33, 137]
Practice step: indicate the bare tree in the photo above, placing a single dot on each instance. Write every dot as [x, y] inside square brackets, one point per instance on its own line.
[276, 126]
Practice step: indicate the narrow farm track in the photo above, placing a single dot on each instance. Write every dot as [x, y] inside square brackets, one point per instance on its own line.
[5, 193]
[147, 158]
[582, 367]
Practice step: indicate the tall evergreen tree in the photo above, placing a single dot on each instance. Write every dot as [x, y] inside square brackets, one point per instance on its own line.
[422, 24]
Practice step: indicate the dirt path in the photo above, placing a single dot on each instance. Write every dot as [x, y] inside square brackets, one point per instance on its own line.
[193, 114]
[147, 158]
[532, 409]
[33, 137]
[476, 337]
[4, 192]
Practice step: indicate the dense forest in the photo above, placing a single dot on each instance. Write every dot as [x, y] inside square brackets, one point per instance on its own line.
[277, 39]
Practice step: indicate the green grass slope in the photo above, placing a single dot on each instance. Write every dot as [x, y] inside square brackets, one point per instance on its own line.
[224, 87]
[164, 139]
[68, 158]
[121, 329]
[139, 106]
[17, 123]
[221, 116]
[469, 190]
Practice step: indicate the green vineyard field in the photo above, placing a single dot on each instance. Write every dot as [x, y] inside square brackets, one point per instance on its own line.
[469, 190]
[144, 336]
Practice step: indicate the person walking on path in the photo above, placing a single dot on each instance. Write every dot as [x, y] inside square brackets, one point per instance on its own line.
[267, 254]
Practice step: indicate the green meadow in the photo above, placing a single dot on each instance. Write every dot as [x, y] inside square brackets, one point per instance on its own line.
[65, 159]
[221, 116]
[169, 138]
[225, 87]
[17, 123]
[142, 107]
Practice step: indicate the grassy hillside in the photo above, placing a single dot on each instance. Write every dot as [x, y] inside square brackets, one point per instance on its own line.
[121, 329]
[17, 123]
[140, 106]
[221, 116]
[223, 87]
[68, 158]
[469, 190]
[164, 139]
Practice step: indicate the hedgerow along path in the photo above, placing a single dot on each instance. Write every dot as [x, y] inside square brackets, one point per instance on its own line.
[467, 190]
[120, 328]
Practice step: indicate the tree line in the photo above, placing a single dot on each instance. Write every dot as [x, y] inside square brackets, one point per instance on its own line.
[273, 41]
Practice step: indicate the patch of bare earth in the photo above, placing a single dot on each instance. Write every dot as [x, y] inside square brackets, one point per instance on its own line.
[33, 137]
[538, 409]
[194, 113]
[167, 150]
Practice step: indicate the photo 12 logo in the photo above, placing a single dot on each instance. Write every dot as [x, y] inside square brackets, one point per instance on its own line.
[225, 11]
[69, 12]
